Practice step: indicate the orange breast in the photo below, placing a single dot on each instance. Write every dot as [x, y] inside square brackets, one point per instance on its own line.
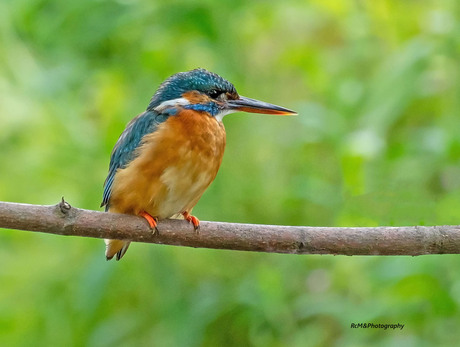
[175, 165]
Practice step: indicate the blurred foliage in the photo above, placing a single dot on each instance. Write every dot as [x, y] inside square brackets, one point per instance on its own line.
[376, 142]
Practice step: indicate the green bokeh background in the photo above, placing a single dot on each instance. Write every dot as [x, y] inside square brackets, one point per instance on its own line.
[376, 142]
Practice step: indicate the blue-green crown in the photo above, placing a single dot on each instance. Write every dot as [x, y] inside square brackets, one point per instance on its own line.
[200, 80]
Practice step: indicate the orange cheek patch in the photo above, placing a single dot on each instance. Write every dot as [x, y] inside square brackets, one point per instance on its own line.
[196, 98]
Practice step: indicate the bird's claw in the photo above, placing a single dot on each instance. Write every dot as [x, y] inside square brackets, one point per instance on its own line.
[192, 219]
[152, 222]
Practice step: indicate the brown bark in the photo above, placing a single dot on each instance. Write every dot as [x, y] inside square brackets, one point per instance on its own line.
[63, 219]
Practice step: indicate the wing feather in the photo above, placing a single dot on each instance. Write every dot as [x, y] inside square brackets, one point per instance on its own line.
[125, 149]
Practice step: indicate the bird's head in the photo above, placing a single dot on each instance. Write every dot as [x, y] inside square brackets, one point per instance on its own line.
[205, 91]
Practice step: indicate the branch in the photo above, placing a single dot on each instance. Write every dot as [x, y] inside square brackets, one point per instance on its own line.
[63, 219]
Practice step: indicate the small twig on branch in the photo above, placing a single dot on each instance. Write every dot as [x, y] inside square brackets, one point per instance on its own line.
[63, 219]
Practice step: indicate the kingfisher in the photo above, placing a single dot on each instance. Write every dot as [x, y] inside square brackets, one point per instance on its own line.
[168, 155]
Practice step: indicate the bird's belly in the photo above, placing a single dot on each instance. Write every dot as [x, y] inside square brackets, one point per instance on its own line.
[185, 183]
[175, 165]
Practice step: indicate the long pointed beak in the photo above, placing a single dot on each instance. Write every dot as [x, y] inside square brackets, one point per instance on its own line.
[255, 106]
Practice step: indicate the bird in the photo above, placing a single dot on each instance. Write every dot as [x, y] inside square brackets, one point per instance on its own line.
[168, 155]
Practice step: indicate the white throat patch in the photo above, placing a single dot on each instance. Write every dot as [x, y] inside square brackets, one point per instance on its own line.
[222, 114]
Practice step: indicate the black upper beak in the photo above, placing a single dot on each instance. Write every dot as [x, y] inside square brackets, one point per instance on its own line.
[255, 106]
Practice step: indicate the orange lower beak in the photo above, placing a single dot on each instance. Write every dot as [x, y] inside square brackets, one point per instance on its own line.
[255, 106]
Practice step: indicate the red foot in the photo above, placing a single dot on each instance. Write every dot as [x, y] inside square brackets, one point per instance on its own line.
[192, 219]
[152, 221]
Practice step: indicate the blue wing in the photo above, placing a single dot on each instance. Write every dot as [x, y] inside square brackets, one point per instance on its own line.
[125, 148]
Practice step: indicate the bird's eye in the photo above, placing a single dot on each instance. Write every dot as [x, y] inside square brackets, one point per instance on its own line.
[214, 93]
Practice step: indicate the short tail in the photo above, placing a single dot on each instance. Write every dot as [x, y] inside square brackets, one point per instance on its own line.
[115, 247]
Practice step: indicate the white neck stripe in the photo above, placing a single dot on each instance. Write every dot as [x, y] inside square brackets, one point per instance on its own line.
[171, 103]
[183, 102]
